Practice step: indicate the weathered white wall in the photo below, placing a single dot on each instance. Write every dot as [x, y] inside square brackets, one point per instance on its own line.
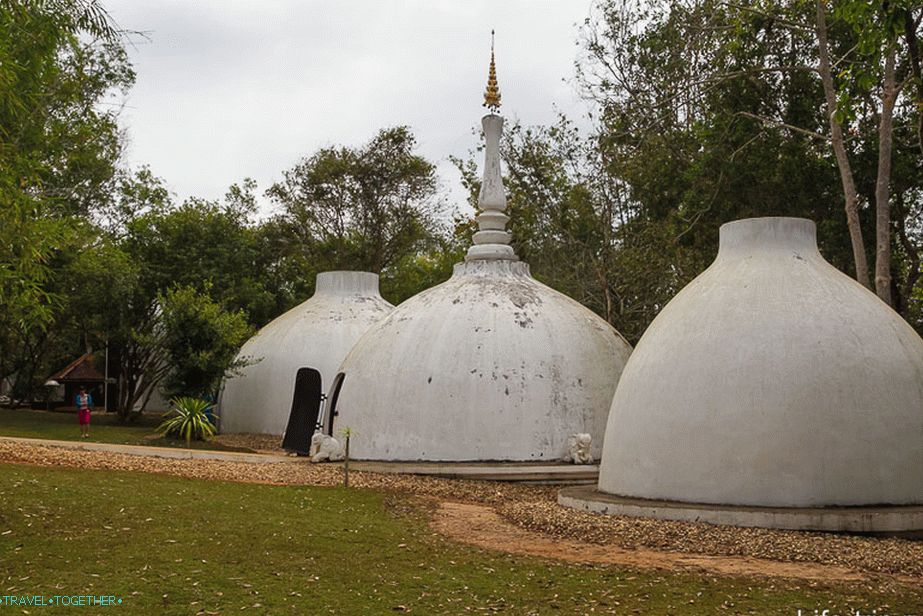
[490, 365]
[772, 379]
[315, 334]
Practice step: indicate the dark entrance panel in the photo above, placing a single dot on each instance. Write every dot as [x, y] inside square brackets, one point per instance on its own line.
[305, 408]
[330, 408]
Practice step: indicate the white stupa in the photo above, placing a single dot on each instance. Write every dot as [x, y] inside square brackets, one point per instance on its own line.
[317, 333]
[490, 365]
[773, 390]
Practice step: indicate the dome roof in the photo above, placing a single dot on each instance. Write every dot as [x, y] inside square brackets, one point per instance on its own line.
[490, 365]
[772, 379]
[315, 334]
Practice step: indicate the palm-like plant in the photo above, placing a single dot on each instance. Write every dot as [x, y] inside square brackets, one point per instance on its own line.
[188, 418]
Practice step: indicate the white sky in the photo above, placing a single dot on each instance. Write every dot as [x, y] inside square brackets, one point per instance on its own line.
[233, 89]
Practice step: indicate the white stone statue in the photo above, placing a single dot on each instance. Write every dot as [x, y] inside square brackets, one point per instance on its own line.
[578, 449]
[325, 448]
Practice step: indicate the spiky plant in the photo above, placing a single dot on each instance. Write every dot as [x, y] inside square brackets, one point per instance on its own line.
[188, 419]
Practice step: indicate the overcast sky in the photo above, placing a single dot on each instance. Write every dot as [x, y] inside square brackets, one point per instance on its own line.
[228, 90]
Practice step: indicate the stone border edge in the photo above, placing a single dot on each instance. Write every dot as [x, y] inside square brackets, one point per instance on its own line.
[870, 520]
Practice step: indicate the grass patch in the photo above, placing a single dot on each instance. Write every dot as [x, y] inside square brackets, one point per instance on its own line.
[168, 545]
[104, 428]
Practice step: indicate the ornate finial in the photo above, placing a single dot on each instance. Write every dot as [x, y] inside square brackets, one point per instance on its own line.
[492, 240]
[492, 93]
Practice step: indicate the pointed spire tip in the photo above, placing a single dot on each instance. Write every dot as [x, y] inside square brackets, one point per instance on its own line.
[492, 93]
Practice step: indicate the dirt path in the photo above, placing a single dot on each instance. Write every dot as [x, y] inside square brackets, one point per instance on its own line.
[480, 525]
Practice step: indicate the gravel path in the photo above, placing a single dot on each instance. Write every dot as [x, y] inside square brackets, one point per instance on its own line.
[264, 443]
[530, 507]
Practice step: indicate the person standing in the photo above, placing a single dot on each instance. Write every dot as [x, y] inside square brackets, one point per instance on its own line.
[84, 402]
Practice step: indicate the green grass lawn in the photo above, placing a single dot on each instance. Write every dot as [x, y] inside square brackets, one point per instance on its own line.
[167, 545]
[104, 428]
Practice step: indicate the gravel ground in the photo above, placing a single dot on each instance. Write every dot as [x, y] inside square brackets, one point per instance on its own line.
[871, 554]
[530, 507]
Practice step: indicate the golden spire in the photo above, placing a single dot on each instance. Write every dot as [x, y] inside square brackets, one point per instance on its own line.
[492, 93]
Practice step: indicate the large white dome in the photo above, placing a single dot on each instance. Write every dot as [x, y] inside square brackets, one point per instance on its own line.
[771, 380]
[315, 334]
[490, 365]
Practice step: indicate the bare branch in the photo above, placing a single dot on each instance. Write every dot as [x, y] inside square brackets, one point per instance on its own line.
[774, 122]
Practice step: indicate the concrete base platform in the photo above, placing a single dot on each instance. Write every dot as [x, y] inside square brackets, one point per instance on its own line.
[524, 472]
[889, 520]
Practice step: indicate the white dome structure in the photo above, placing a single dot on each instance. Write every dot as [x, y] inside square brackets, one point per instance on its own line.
[491, 365]
[317, 333]
[772, 380]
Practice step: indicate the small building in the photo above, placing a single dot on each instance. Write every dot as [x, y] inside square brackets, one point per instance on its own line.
[773, 390]
[312, 337]
[82, 372]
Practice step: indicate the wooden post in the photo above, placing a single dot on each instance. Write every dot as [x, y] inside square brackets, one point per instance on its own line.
[346, 464]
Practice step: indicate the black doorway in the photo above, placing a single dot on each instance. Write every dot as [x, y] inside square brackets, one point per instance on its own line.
[331, 408]
[302, 421]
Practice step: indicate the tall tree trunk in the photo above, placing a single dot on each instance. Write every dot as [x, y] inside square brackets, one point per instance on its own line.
[839, 149]
[889, 92]
[604, 286]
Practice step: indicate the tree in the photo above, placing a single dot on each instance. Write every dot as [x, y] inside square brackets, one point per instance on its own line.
[58, 150]
[364, 208]
[136, 193]
[200, 340]
[838, 144]
[873, 78]
[62, 66]
[204, 253]
[417, 272]
[708, 111]
[210, 246]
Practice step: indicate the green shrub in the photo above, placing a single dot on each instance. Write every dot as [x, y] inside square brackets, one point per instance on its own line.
[187, 419]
